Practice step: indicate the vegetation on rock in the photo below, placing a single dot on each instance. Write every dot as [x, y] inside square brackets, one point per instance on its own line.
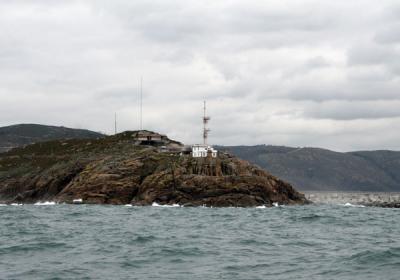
[114, 170]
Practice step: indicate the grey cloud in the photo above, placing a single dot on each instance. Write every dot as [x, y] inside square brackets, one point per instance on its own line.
[313, 64]
[289, 73]
[371, 54]
[118, 94]
[347, 91]
[345, 110]
[248, 18]
[197, 24]
[390, 35]
[384, 55]
[317, 62]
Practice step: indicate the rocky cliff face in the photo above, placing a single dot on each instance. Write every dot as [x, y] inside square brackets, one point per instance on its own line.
[113, 170]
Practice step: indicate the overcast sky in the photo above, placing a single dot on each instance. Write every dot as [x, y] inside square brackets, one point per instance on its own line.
[299, 73]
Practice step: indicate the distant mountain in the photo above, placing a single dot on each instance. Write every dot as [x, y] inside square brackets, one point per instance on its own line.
[320, 169]
[24, 134]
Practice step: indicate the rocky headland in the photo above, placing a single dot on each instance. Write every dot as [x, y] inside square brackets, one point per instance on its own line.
[118, 170]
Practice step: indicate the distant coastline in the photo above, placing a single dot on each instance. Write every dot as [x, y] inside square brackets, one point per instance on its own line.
[307, 169]
[378, 199]
[315, 169]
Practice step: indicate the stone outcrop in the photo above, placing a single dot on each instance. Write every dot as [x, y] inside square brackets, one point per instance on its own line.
[115, 170]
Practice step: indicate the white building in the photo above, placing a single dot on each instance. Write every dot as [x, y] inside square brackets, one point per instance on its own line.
[201, 150]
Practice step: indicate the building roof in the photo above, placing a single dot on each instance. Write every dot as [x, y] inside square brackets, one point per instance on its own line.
[149, 134]
[201, 145]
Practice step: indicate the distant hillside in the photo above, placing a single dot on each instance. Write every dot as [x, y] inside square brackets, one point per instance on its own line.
[24, 134]
[319, 169]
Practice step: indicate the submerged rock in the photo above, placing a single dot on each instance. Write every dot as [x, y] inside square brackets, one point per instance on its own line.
[115, 170]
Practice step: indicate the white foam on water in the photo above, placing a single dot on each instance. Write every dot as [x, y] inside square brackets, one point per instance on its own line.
[16, 204]
[45, 203]
[276, 204]
[77, 201]
[261, 207]
[128, 205]
[165, 205]
[352, 205]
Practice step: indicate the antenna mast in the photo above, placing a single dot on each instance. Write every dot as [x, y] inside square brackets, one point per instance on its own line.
[205, 129]
[115, 123]
[141, 103]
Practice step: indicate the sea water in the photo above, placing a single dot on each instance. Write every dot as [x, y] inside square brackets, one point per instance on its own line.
[47, 241]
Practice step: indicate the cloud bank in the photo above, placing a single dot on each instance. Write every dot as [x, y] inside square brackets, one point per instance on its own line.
[299, 73]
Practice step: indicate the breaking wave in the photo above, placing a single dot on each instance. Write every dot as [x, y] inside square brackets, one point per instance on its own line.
[165, 205]
[45, 203]
[352, 205]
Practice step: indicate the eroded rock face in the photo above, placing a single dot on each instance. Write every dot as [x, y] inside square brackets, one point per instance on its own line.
[223, 182]
[117, 172]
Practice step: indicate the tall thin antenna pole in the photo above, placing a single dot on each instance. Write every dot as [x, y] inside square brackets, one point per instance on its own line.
[115, 123]
[141, 103]
[204, 124]
[138, 104]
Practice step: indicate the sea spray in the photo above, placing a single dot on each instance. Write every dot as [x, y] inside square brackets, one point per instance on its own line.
[165, 205]
[45, 203]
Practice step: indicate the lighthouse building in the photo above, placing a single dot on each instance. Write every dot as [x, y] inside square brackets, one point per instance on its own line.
[201, 150]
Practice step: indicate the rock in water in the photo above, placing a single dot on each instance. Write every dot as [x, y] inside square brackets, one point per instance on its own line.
[116, 170]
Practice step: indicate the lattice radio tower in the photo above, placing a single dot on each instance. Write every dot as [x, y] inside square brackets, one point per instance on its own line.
[205, 122]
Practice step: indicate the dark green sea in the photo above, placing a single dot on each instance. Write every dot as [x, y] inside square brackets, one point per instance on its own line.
[120, 242]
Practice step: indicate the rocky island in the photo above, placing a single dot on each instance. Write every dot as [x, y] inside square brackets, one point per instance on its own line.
[120, 169]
